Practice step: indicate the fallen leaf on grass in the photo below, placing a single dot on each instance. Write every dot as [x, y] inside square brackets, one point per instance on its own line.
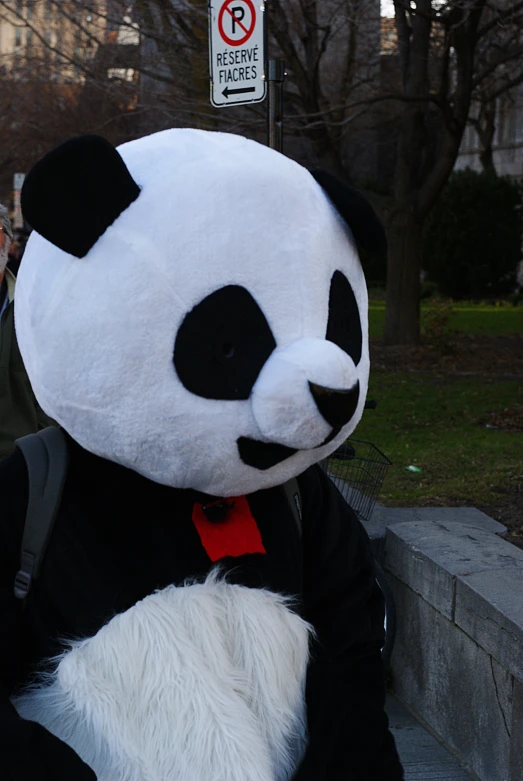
[507, 419]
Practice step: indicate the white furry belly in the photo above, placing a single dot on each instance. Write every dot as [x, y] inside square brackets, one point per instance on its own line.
[197, 683]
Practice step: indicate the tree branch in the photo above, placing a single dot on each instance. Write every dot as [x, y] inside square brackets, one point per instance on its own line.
[514, 54]
[404, 31]
[500, 16]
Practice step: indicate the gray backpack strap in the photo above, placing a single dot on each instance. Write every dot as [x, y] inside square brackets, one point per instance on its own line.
[46, 457]
[292, 493]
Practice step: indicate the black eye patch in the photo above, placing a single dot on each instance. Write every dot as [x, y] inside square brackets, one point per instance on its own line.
[222, 345]
[344, 326]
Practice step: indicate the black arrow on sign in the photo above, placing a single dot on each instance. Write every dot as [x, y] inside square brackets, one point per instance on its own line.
[228, 91]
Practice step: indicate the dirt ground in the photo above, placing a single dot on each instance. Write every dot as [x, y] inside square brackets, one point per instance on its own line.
[483, 357]
[465, 355]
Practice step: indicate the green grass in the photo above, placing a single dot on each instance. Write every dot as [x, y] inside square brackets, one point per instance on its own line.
[439, 426]
[467, 318]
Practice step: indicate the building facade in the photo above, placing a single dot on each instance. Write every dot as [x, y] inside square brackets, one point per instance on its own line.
[61, 40]
[66, 67]
[507, 143]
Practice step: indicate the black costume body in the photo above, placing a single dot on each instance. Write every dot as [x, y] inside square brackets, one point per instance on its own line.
[119, 537]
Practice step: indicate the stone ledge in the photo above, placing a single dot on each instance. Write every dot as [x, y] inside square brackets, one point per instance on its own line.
[383, 517]
[429, 556]
[387, 517]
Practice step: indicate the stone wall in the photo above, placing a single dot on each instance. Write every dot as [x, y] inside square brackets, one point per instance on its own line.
[458, 658]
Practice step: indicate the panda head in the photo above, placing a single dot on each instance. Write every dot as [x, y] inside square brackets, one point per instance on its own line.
[192, 306]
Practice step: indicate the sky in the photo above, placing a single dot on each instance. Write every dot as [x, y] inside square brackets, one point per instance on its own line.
[387, 8]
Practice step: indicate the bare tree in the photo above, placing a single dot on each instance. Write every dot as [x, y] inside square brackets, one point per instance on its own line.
[332, 54]
[38, 114]
[331, 49]
[54, 86]
[495, 91]
[451, 52]
[445, 58]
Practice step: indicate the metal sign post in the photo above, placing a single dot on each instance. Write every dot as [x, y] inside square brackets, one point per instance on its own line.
[276, 77]
[237, 52]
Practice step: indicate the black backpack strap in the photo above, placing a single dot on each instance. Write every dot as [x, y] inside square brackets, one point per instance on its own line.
[293, 495]
[46, 457]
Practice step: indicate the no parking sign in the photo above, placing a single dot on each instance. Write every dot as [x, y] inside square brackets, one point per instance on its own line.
[237, 51]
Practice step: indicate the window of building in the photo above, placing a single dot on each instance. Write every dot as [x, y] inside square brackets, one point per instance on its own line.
[48, 9]
[28, 38]
[18, 36]
[124, 74]
[128, 33]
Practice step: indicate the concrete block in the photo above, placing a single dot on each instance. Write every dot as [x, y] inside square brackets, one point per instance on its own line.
[516, 748]
[427, 556]
[489, 608]
[383, 517]
[453, 685]
[405, 557]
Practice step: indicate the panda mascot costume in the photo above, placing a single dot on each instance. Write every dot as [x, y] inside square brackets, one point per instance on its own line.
[192, 311]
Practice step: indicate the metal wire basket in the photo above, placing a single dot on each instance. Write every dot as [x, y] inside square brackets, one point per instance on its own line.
[358, 470]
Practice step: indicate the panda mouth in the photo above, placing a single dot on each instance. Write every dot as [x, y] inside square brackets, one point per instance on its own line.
[264, 455]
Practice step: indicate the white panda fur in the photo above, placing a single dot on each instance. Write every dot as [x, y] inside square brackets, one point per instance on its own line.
[214, 210]
[203, 682]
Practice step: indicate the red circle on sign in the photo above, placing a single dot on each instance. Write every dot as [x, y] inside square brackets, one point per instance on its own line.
[248, 32]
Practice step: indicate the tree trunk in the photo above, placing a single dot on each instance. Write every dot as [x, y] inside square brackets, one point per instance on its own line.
[405, 222]
[486, 158]
[403, 280]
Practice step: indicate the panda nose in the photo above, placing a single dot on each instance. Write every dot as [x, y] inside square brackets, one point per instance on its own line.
[306, 392]
[335, 406]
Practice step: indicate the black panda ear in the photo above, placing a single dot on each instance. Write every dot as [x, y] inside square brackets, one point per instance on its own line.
[366, 227]
[75, 192]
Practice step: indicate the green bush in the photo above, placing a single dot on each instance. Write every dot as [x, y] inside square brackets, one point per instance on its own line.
[472, 240]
